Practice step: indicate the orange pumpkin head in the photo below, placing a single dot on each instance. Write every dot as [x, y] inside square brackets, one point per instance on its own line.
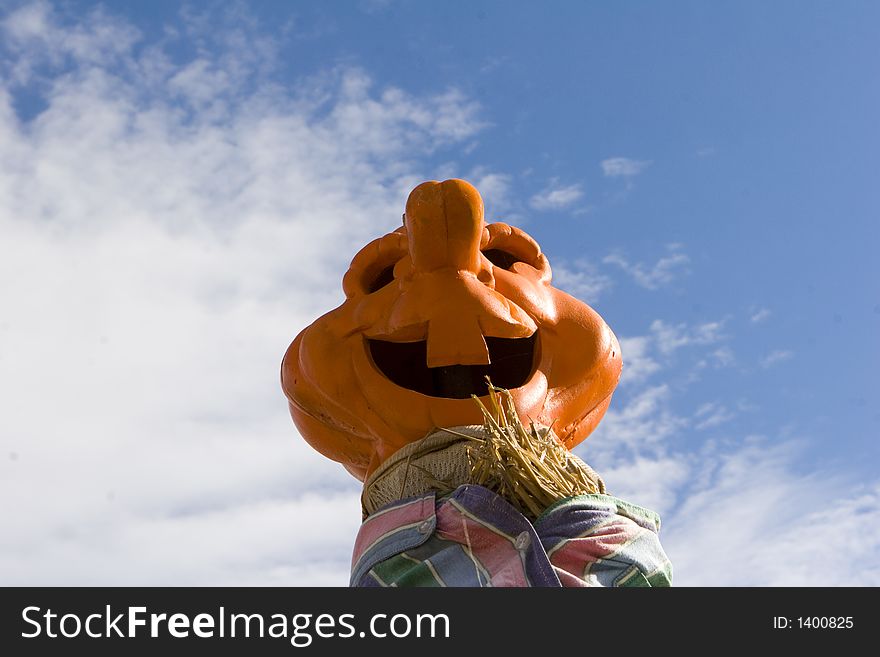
[432, 309]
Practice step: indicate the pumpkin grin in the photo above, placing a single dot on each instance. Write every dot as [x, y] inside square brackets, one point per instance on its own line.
[431, 309]
[511, 364]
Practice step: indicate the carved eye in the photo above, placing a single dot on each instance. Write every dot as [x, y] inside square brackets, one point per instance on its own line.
[382, 279]
[499, 258]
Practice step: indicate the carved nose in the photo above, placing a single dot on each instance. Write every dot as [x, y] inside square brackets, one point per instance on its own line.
[444, 225]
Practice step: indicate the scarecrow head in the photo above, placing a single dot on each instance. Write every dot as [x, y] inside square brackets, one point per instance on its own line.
[431, 310]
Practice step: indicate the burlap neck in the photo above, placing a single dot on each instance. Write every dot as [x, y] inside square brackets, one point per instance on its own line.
[438, 462]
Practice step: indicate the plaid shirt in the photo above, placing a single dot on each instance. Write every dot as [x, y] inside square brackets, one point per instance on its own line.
[473, 537]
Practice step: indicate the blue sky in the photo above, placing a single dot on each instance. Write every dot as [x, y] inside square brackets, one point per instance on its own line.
[182, 189]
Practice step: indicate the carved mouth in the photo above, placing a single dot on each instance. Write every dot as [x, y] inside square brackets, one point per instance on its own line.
[512, 362]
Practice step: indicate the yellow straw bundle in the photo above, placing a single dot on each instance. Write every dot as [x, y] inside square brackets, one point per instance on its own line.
[527, 467]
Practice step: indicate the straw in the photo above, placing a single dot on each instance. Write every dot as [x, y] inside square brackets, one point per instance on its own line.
[528, 467]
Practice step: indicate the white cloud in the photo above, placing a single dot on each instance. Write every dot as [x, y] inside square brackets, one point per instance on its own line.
[580, 279]
[638, 363]
[492, 63]
[736, 511]
[615, 167]
[644, 355]
[302, 540]
[168, 227]
[652, 277]
[776, 356]
[743, 516]
[712, 414]
[717, 359]
[670, 338]
[653, 481]
[31, 32]
[494, 187]
[722, 357]
[646, 418]
[750, 520]
[759, 315]
[556, 197]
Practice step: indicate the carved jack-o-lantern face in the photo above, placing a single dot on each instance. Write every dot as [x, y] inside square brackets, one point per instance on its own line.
[432, 309]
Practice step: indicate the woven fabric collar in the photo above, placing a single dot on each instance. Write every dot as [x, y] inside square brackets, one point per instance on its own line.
[437, 463]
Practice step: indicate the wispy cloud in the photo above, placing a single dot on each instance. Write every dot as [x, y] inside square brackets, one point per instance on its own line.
[617, 167]
[581, 279]
[646, 419]
[556, 197]
[653, 481]
[722, 357]
[770, 512]
[670, 337]
[718, 358]
[644, 355]
[759, 315]
[638, 361]
[171, 225]
[632, 448]
[495, 188]
[492, 63]
[712, 414]
[661, 273]
[727, 505]
[776, 356]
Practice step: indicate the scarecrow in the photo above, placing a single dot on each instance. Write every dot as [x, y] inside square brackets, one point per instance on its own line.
[454, 381]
